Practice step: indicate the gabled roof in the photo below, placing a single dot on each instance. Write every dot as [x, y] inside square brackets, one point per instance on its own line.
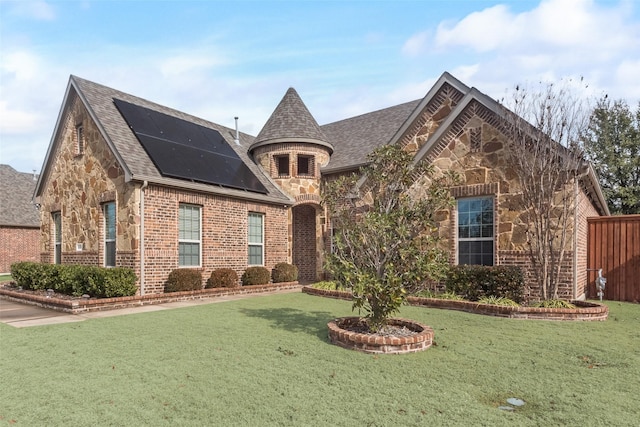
[291, 121]
[353, 139]
[134, 160]
[16, 191]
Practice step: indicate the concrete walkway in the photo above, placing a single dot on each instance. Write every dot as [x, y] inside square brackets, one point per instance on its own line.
[23, 315]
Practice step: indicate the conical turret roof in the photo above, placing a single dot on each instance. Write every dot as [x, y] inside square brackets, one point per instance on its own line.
[291, 121]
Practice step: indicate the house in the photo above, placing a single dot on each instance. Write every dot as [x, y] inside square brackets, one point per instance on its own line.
[128, 182]
[19, 218]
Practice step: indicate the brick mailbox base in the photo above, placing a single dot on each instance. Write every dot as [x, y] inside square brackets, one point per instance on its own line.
[420, 340]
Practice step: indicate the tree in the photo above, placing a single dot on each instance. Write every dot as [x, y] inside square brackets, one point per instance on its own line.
[384, 241]
[612, 144]
[542, 127]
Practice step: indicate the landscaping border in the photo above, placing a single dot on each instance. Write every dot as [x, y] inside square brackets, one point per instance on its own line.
[84, 305]
[585, 310]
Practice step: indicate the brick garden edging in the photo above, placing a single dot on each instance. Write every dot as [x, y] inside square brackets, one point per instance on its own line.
[84, 305]
[585, 311]
[372, 343]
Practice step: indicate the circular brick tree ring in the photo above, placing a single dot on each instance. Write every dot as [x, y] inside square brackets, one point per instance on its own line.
[421, 338]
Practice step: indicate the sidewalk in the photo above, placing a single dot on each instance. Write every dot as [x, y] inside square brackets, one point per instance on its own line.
[24, 315]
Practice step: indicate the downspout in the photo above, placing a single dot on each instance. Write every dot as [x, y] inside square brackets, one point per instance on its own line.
[145, 184]
[575, 240]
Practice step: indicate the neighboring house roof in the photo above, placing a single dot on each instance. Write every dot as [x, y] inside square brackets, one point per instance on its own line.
[353, 139]
[16, 192]
[138, 166]
[291, 121]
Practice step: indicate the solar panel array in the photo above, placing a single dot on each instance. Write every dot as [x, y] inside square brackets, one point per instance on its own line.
[186, 150]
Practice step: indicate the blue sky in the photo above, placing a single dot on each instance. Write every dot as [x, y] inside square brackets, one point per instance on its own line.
[220, 59]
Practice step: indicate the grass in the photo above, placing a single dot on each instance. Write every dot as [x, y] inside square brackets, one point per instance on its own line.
[5, 278]
[266, 361]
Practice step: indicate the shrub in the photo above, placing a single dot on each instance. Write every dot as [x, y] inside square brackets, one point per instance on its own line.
[76, 280]
[328, 285]
[553, 303]
[428, 293]
[473, 282]
[222, 278]
[283, 272]
[256, 276]
[111, 282]
[183, 279]
[493, 300]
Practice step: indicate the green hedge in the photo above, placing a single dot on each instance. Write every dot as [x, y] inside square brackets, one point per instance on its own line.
[256, 276]
[284, 272]
[76, 280]
[183, 279]
[476, 281]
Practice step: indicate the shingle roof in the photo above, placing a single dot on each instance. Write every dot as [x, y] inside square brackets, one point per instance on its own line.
[353, 139]
[98, 99]
[291, 121]
[16, 192]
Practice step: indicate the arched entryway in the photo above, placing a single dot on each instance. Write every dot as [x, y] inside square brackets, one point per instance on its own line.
[304, 242]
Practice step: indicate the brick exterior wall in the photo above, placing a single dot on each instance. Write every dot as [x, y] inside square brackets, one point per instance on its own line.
[585, 210]
[224, 233]
[18, 244]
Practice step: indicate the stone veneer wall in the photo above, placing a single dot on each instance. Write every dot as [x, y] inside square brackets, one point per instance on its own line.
[224, 233]
[305, 190]
[18, 244]
[473, 147]
[77, 186]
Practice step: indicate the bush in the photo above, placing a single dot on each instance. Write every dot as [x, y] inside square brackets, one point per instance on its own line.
[76, 280]
[553, 303]
[283, 272]
[256, 276]
[222, 278]
[493, 300]
[183, 279]
[473, 282]
[328, 285]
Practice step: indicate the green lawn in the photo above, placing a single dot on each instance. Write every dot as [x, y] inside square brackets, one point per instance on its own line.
[266, 361]
[5, 278]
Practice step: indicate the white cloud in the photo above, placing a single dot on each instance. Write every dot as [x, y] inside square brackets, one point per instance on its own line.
[482, 31]
[416, 44]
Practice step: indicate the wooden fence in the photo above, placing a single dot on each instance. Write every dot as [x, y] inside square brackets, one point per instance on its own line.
[614, 246]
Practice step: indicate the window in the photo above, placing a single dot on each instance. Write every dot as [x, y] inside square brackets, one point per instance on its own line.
[109, 210]
[189, 236]
[305, 165]
[282, 164]
[256, 239]
[57, 237]
[475, 231]
[80, 138]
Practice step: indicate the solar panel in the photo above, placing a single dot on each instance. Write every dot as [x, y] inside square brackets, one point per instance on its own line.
[186, 150]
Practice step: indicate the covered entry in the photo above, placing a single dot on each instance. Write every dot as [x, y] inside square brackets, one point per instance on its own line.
[304, 242]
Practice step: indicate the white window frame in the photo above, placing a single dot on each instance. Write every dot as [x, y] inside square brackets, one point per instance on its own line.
[190, 241]
[255, 244]
[57, 237]
[107, 239]
[478, 238]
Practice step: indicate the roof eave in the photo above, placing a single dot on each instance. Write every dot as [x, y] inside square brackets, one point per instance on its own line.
[217, 190]
[291, 140]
